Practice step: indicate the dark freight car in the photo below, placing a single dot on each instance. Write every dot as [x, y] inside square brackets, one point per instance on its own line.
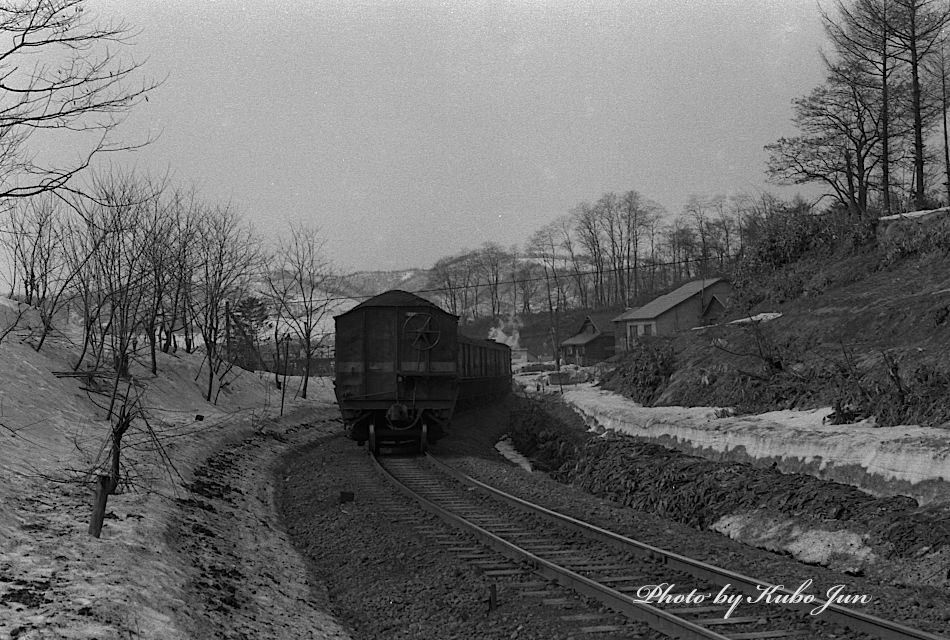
[484, 370]
[401, 367]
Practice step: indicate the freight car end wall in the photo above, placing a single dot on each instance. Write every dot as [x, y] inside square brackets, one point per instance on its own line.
[402, 368]
[484, 370]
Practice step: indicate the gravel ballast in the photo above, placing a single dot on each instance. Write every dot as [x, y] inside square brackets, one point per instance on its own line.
[386, 577]
[385, 572]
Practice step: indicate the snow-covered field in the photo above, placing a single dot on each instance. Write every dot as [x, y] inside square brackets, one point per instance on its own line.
[57, 581]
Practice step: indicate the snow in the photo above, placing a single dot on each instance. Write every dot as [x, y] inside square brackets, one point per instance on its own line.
[325, 323]
[842, 549]
[908, 460]
[910, 215]
[759, 317]
[129, 582]
[767, 316]
[507, 448]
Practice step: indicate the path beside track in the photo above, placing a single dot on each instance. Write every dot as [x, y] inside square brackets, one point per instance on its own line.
[243, 578]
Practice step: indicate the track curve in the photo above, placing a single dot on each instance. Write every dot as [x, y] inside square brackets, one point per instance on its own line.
[615, 570]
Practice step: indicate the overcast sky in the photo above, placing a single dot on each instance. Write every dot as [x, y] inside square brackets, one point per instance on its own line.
[410, 130]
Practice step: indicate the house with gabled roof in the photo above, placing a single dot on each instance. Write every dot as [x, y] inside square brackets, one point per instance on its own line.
[593, 342]
[694, 304]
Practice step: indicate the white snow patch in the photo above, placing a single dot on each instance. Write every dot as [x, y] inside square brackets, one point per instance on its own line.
[910, 215]
[507, 448]
[911, 454]
[759, 317]
[841, 550]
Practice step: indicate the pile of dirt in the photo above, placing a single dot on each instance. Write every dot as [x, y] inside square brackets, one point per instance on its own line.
[644, 372]
[552, 442]
[699, 492]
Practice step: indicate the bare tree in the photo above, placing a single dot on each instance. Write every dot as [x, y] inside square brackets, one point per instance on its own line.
[860, 34]
[37, 236]
[122, 212]
[444, 277]
[916, 26]
[588, 228]
[491, 259]
[528, 281]
[839, 145]
[939, 68]
[61, 82]
[185, 212]
[564, 227]
[298, 282]
[227, 253]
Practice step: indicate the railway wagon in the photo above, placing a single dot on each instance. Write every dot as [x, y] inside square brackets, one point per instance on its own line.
[401, 368]
[484, 368]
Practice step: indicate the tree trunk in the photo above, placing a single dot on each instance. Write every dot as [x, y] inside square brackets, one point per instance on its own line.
[944, 106]
[99, 507]
[306, 373]
[885, 130]
[916, 95]
[153, 349]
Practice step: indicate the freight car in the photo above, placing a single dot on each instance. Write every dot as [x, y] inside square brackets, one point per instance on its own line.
[402, 367]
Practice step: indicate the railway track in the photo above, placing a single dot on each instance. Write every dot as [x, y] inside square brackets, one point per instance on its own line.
[674, 595]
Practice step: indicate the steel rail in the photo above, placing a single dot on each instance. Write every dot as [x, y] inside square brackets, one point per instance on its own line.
[657, 618]
[856, 620]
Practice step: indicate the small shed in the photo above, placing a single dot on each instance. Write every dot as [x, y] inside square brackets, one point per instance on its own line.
[593, 342]
[694, 304]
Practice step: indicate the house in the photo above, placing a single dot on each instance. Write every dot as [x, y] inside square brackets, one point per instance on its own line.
[594, 341]
[694, 304]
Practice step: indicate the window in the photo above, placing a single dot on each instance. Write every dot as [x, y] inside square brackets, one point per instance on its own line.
[648, 329]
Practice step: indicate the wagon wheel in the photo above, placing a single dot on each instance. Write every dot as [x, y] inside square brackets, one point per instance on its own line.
[424, 438]
[373, 444]
[421, 332]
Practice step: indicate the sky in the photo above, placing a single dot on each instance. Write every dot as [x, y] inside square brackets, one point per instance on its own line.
[411, 130]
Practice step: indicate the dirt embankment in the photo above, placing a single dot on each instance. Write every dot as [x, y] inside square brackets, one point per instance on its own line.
[863, 329]
[822, 522]
[242, 578]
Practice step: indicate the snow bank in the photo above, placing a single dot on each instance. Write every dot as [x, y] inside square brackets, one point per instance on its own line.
[22, 315]
[911, 215]
[759, 317]
[55, 579]
[902, 460]
[507, 448]
[838, 549]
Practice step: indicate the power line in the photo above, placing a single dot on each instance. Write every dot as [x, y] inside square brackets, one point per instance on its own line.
[571, 274]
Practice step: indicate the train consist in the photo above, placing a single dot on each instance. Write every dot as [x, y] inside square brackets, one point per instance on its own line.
[402, 368]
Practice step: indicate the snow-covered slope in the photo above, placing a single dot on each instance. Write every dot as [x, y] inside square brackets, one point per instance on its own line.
[56, 581]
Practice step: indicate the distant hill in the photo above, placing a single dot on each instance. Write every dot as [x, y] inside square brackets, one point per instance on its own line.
[364, 284]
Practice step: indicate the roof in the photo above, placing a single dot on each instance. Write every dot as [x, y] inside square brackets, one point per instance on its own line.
[602, 323]
[585, 338]
[393, 298]
[664, 303]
